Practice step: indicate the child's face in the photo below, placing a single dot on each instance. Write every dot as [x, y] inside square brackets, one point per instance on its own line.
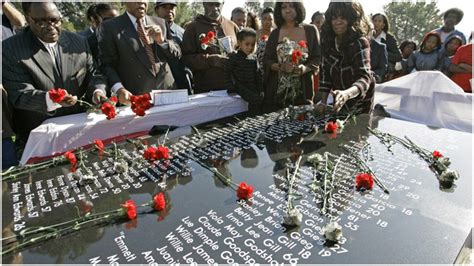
[247, 45]
[430, 44]
[453, 45]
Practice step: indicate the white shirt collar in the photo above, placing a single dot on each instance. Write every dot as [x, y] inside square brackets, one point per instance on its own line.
[134, 19]
[382, 36]
[48, 45]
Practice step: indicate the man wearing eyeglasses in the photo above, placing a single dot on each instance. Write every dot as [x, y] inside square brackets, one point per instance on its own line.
[135, 51]
[42, 57]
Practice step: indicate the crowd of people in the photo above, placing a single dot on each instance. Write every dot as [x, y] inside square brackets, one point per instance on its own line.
[272, 60]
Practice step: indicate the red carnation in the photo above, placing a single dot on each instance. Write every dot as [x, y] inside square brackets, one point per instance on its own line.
[57, 95]
[264, 37]
[150, 153]
[131, 209]
[302, 44]
[365, 181]
[72, 160]
[113, 99]
[108, 110]
[159, 202]
[437, 154]
[295, 56]
[244, 191]
[330, 127]
[100, 146]
[140, 103]
[162, 153]
[211, 35]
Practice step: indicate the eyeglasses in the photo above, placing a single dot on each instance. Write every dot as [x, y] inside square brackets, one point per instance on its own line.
[44, 22]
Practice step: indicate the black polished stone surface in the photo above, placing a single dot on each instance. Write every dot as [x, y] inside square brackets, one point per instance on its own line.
[418, 222]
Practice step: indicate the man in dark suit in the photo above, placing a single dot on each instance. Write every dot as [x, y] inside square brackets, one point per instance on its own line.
[133, 62]
[42, 57]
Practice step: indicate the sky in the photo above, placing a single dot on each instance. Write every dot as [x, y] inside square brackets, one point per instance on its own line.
[376, 6]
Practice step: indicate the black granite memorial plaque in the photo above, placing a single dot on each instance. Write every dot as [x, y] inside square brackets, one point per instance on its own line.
[417, 222]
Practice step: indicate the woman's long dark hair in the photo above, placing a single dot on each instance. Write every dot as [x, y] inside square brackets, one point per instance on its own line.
[358, 24]
[300, 13]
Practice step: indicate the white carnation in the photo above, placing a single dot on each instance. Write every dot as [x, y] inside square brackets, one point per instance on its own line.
[292, 217]
[333, 231]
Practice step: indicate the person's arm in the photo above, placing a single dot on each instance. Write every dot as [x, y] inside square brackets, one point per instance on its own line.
[411, 63]
[95, 82]
[314, 59]
[362, 73]
[15, 17]
[228, 75]
[109, 56]
[393, 52]
[382, 68]
[456, 65]
[325, 80]
[21, 89]
[191, 52]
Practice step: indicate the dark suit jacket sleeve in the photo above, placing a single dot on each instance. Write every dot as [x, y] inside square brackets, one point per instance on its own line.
[20, 85]
[394, 54]
[108, 53]
[190, 49]
[228, 72]
[96, 79]
[380, 60]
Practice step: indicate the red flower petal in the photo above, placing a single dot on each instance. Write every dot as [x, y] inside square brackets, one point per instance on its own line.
[365, 181]
[160, 202]
[244, 191]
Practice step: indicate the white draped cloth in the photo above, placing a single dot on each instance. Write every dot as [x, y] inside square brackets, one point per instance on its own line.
[60, 134]
[427, 97]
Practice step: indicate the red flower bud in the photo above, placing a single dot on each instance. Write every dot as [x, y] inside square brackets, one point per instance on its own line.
[100, 146]
[131, 209]
[330, 127]
[437, 154]
[302, 44]
[72, 160]
[244, 191]
[113, 99]
[365, 181]
[159, 202]
[211, 35]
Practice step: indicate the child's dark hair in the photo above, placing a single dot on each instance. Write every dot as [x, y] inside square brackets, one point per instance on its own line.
[246, 32]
